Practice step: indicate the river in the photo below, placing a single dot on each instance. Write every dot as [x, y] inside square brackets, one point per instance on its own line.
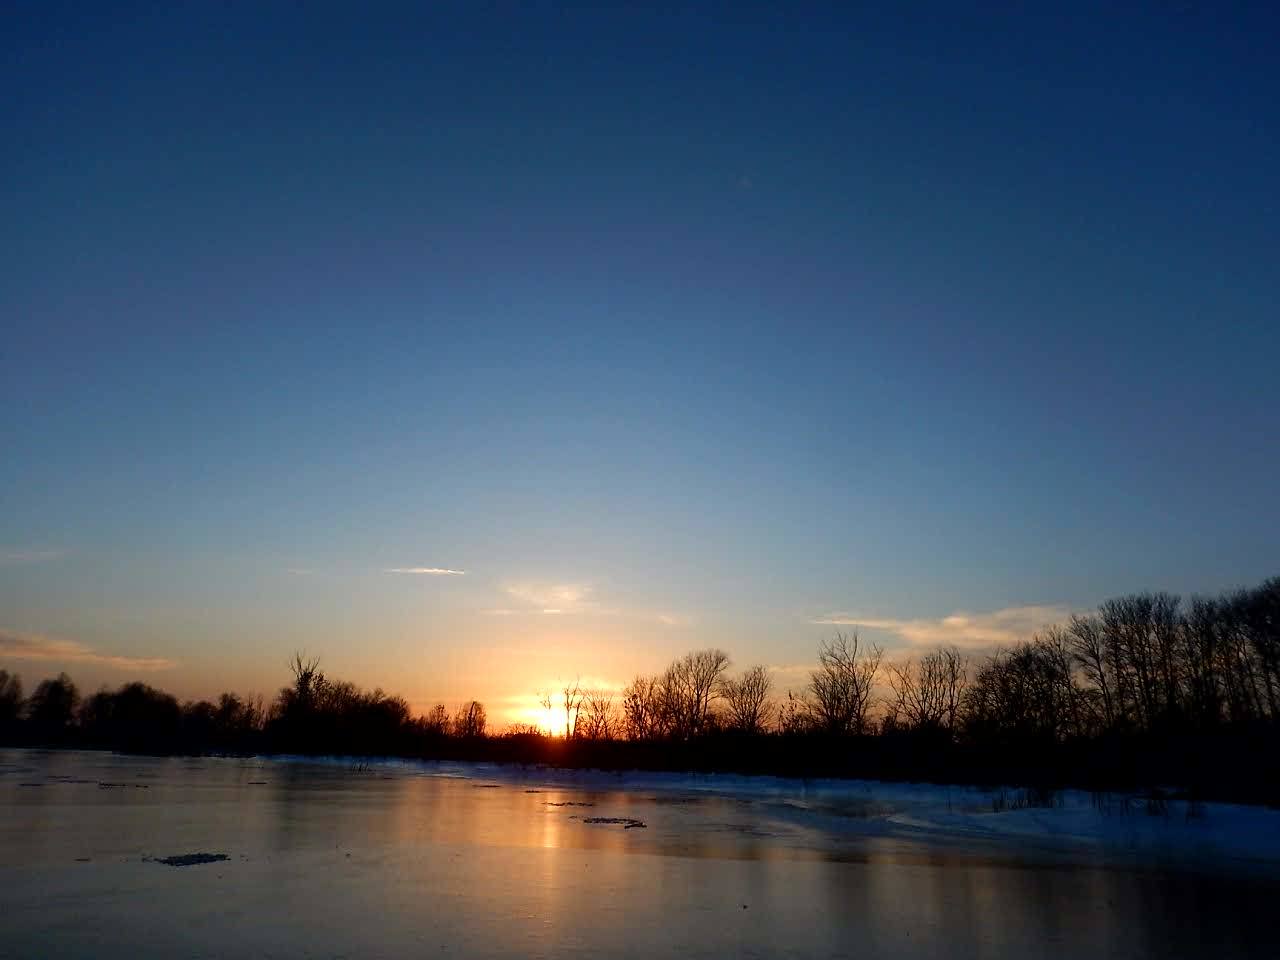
[399, 860]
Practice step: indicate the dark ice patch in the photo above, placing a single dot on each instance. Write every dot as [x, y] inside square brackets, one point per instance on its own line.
[627, 823]
[192, 859]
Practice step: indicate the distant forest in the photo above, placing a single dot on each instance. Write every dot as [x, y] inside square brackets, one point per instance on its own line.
[1146, 692]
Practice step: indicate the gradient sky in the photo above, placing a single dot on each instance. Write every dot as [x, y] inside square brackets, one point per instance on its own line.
[697, 327]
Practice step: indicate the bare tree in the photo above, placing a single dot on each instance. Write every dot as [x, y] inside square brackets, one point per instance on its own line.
[1025, 694]
[572, 704]
[1259, 618]
[1167, 638]
[52, 707]
[795, 716]
[1055, 646]
[517, 729]
[642, 709]
[596, 720]
[747, 700]
[690, 685]
[470, 720]
[236, 716]
[10, 697]
[309, 685]
[842, 684]
[1204, 674]
[1142, 638]
[544, 701]
[436, 720]
[1235, 660]
[1088, 641]
[926, 695]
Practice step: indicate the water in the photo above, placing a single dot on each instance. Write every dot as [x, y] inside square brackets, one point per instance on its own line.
[398, 861]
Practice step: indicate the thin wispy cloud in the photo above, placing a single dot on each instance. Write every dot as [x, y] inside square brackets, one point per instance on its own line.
[427, 571]
[553, 598]
[31, 646]
[787, 677]
[961, 629]
[786, 670]
[541, 598]
[18, 556]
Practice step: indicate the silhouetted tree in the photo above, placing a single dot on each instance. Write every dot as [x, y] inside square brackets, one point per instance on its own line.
[1088, 642]
[1024, 695]
[1205, 673]
[595, 720]
[843, 683]
[309, 687]
[572, 693]
[1259, 616]
[1143, 692]
[52, 707]
[1142, 635]
[747, 708]
[795, 715]
[469, 721]
[10, 700]
[522, 730]
[927, 694]
[642, 709]
[435, 722]
[1236, 664]
[199, 725]
[95, 712]
[238, 722]
[545, 701]
[137, 717]
[690, 685]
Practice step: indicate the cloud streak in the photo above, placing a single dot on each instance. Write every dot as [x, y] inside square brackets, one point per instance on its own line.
[543, 598]
[553, 598]
[30, 646]
[427, 571]
[792, 669]
[962, 629]
[10, 556]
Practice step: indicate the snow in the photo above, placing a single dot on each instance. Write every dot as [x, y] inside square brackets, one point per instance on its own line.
[1111, 827]
[339, 858]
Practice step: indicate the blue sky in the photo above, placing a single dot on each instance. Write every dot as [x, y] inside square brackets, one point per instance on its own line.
[695, 326]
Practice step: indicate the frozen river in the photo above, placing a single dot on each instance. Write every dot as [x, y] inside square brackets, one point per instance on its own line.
[423, 860]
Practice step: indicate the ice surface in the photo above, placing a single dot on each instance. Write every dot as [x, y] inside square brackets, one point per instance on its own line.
[1111, 827]
[398, 859]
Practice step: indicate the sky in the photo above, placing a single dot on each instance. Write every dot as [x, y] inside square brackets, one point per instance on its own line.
[475, 346]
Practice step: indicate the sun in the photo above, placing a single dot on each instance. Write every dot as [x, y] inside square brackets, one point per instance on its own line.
[534, 714]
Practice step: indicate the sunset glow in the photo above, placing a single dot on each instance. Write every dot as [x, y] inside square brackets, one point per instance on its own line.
[467, 370]
[639, 480]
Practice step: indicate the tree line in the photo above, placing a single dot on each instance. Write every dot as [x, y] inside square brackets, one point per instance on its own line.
[314, 714]
[1146, 688]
